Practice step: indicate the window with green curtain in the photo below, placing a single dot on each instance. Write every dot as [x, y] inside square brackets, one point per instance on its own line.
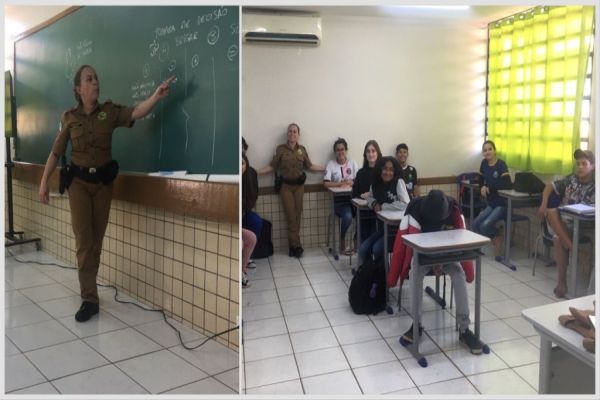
[537, 66]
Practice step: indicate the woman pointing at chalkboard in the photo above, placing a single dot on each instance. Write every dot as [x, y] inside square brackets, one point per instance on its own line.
[89, 127]
[291, 159]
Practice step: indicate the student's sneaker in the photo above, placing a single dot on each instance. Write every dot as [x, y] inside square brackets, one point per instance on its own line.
[245, 282]
[475, 345]
[407, 338]
[86, 311]
[251, 264]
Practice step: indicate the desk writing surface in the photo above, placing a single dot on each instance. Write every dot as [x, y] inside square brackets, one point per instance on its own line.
[359, 202]
[514, 195]
[545, 319]
[134, 49]
[390, 216]
[340, 190]
[455, 239]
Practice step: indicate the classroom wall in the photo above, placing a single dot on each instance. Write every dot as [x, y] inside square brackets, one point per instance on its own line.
[394, 80]
[186, 265]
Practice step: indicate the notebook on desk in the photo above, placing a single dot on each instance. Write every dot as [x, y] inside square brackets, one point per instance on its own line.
[583, 209]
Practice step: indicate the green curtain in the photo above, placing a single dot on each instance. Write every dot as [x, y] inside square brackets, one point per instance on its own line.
[536, 73]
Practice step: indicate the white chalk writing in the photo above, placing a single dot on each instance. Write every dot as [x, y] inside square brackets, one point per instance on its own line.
[186, 38]
[213, 35]
[215, 15]
[164, 30]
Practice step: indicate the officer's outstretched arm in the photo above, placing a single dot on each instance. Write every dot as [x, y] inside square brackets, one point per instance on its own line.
[51, 164]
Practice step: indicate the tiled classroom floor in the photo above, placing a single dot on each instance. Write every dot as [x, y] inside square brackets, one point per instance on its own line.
[123, 350]
[300, 335]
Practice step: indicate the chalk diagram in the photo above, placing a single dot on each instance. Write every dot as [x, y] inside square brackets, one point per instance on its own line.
[213, 35]
[232, 51]
[146, 70]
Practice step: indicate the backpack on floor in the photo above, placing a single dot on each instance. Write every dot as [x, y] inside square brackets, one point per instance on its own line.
[264, 244]
[367, 289]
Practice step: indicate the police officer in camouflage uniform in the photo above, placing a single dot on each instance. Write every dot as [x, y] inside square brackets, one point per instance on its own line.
[89, 127]
[291, 159]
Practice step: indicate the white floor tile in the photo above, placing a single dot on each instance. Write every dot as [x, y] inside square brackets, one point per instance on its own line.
[43, 388]
[505, 382]
[160, 371]
[257, 298]
[42, 334]
[100, 323]
[313, 340]
[212, 357]
[517, 352]
[269, 347]
[61, 274]
[271, 370]
[545, 287]
[20, 373]
[205, 386]
[65, 359]
[328, 288]
[14, 298]
[230, 378]
[130, 314]
[28, 280]
[426, 347]
[337, 383]
[292, 387]
[63, 307]
[343, 316]
[394, 325]
[368, 353]
[358, 332]
[518, 290]
[447, 338]
[383, 378]
[24, 315]
[497, 331]
[290, 281]
[304, 322]
[325, 277]
[263, 328]
[530, 373]
[411, 392]
[260, 285]
[262, 311]
[320, 362]
[9, 348]
[520, 325]
[505, 308]
[534, 340]
[295, 293]
[47, 292]
[106, 380]
[164, 335]
[535, 301]
[122, 344]
[332, 301]
[471, 364]
[300, 306]
[437, 319]
[287, 272]
[499, 278]
[439, 368]
[460, 386]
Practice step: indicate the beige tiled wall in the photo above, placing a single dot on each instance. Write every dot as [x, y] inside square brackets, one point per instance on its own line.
[183, 264]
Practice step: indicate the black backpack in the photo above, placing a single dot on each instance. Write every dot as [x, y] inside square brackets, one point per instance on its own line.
[367, 289]
[264, 245]
[526, 182]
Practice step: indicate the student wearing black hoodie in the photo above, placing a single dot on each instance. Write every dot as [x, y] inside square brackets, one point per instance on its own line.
[364, 180]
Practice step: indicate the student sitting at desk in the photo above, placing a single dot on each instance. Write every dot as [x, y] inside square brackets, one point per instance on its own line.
[341, 173]
[408, 172]
[251, 221]
[388, 192]
[433, 213]
[574, 189]
[495, 177]
[364, 180]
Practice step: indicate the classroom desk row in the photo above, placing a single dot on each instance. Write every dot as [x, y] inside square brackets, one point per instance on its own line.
[522, 200]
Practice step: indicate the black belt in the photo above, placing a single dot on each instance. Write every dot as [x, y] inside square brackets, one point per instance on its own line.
[105, 174]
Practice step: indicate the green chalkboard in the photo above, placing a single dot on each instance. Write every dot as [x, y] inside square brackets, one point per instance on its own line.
[133, 49]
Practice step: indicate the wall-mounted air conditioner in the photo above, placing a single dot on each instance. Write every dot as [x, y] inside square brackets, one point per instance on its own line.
[281, 28]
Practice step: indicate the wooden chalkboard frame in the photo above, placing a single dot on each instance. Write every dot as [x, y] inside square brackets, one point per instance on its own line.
[209, 200]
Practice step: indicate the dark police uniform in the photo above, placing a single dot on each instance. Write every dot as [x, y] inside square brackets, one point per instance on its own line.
[291, 163]
[90, 137]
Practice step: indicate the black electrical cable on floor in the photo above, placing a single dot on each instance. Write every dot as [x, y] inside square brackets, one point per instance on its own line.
[135, 304]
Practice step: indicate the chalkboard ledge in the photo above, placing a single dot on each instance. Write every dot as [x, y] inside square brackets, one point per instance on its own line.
[213, 201]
